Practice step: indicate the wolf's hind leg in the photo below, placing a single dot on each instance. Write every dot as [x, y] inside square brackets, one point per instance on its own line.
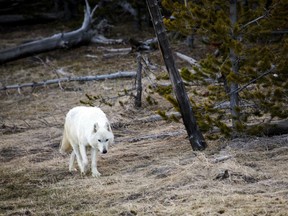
[84, 158]
[71, 162]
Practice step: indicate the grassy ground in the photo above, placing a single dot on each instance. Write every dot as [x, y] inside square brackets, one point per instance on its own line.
[159, 175]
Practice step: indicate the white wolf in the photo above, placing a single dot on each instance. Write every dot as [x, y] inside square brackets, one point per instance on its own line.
[86, 126]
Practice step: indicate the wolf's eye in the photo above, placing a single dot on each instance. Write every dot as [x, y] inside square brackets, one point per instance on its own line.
[99, 140]
[106, 140]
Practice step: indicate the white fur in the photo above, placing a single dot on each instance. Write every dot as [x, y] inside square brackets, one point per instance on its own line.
[86, 126]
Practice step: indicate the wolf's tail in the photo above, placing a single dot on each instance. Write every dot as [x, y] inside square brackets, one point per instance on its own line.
[65, 144]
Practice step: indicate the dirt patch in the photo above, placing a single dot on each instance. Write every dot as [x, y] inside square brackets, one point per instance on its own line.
[150, 170]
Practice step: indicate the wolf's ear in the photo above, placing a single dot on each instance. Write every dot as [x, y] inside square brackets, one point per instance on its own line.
[96, 127]
[108, 126]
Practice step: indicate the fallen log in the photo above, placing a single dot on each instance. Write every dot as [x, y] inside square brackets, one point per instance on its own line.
[100, 39]
[273, 129]
[269, 129]
[117, 52]
[78, 37]
[116, 75]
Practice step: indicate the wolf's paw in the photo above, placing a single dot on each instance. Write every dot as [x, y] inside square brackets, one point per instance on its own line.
[96, 174]
[72, 170]
[85, 170]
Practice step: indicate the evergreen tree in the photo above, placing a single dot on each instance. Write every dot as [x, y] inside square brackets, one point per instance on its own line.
[250, 62]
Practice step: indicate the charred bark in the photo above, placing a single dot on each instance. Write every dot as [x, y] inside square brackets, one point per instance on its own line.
[195, 136]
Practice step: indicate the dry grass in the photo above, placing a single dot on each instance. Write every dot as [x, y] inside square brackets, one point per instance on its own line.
[145, 177]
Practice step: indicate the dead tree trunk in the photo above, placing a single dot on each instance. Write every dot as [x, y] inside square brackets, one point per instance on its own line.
[195, 136]
[62, 40]
[234, 96]
[139, 82]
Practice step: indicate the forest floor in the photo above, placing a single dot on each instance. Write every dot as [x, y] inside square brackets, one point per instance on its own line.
[150, 170]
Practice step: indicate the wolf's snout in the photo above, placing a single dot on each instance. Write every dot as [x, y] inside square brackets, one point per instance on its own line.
[104, 151]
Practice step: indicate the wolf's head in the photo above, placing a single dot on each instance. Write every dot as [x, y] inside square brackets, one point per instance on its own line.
[102, 137]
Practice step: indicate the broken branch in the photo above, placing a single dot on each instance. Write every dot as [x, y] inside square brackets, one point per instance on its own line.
[187, 58]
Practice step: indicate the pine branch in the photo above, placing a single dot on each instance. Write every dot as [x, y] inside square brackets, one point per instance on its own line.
[119, 74]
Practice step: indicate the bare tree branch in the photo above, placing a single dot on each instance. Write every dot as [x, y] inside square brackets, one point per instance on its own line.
[187, 58]
[254, 21]
[253, 80]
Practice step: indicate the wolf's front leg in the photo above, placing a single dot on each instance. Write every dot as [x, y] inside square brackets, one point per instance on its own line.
[78, 157]
[84, 158]
[95, 172]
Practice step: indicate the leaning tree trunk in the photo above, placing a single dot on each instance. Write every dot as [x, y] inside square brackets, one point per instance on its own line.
[195, 136]
[62, 40]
